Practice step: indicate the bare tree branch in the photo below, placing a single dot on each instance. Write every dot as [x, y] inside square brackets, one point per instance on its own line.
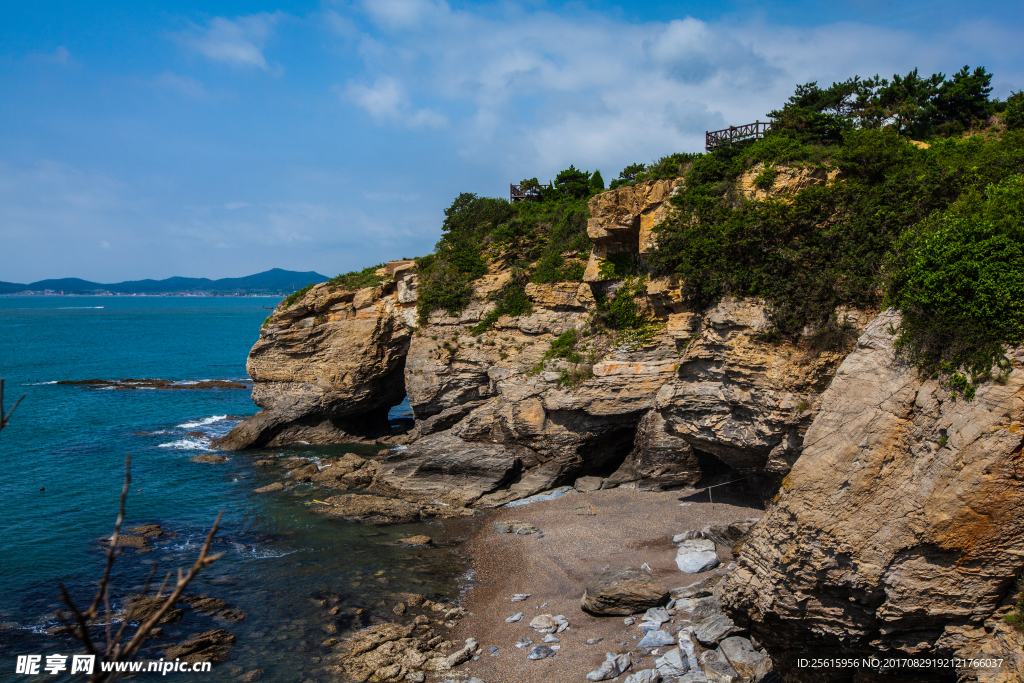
[115, 651]
[6, 417]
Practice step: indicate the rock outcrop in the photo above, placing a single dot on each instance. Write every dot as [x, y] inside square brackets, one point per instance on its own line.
[899, 530]
[624, 220]
[496, 419]
[328, 366]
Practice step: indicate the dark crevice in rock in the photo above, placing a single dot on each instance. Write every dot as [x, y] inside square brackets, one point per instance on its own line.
[602, 456]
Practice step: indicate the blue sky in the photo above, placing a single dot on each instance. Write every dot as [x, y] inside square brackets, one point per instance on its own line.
[225, 138]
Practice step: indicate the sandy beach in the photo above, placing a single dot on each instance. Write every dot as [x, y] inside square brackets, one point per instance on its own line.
[581, 534]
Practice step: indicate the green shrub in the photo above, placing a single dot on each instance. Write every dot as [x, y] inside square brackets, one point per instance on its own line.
[958, 279]
[1014, 115]
[620, 310]
[627, 176]
[620, 265]
[766, 178]
[511, 300]
[1016, 617]
[358, 279]
[295, 296]
[826, 245]
[596, 182]
[573, 183]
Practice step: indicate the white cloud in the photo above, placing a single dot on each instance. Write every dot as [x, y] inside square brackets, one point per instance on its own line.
[183, 85]
[385, 101]
[238, 42]
[532, 91]
[405, 13]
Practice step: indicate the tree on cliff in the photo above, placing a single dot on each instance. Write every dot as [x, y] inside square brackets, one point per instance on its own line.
[911, 105]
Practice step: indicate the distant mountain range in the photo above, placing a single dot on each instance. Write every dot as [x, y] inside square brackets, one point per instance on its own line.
[274, 281]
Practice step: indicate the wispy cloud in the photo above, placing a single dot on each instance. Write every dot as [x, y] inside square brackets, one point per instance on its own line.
[534, 88]
[385, 101]
[237, 42]
[182, 85]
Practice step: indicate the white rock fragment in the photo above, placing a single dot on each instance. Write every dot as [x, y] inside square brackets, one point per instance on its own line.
[696, 556]
[613, 666]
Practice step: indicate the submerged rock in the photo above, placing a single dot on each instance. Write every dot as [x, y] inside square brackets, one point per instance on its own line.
[212, 646]
[416, 540]
[209, 458]
[514, 526]
[380, 510]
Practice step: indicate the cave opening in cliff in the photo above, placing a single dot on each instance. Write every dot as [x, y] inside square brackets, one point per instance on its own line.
[400, 416]
[603, 456]
[722, 483]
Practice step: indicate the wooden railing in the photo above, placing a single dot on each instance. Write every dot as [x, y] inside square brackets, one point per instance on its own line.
[519, 194]
[713, 138]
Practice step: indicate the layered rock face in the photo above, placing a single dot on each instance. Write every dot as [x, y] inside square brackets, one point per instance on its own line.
[494, 423]
[899, 529]
[703, 386]
[327, 367]
[624, 220]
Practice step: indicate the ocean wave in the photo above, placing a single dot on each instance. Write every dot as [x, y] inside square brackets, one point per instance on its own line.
[189, 444]
[38, 384]
[202, 423]
[257, 552]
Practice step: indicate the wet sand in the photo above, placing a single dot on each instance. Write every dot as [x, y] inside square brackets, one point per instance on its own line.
[582, 535]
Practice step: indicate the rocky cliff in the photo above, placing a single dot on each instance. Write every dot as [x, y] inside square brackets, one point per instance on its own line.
[896, 528]
[499, 418]
[899, 529]
[328, 366]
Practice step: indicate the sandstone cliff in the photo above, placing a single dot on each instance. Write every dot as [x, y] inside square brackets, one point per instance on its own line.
[328, 366]
[495, 421]
[899, 529]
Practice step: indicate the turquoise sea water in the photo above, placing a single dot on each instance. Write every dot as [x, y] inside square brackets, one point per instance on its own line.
[280, 558]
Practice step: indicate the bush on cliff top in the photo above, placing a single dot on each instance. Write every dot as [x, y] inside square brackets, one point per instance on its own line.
[958, 278]
[358, 279]
[546, 241]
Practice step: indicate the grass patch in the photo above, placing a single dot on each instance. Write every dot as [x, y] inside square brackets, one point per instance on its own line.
[358, 279]
[295, 296]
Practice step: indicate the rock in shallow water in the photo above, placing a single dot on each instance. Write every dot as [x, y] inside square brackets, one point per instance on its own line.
[623, 591]
[514, 526]
[211, 646]
[416, 540]
[380, 510]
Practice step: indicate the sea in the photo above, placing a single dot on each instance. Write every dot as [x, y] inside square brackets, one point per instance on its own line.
[62, 464]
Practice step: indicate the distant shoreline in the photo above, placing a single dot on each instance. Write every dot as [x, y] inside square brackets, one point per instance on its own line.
[193, 295]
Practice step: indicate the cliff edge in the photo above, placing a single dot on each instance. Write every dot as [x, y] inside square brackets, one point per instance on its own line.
[898, 531]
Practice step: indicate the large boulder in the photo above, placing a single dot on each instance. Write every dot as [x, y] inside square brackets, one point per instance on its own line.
[623, 591]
